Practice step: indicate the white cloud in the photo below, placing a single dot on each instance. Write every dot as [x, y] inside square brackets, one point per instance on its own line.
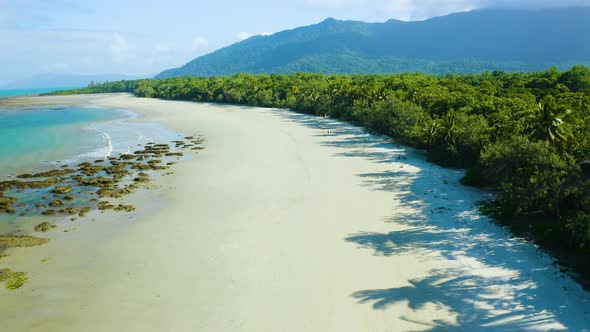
[243, 35]
[399, 9]
[422, 9]
[532, 4]
[410, 10]
[120, 49]
[200, 43]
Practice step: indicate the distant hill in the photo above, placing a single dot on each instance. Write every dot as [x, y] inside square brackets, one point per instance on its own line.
[509, 40]
[63, 80]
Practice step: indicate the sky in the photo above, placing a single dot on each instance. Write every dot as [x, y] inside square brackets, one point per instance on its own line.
[144, 37]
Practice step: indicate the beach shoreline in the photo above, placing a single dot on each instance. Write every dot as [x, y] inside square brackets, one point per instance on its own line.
[90, 135]
[45, 136]
[288, 222]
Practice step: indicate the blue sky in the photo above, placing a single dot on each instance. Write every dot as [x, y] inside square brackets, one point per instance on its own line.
[143, 37]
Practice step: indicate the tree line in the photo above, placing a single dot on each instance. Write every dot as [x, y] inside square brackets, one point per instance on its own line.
[524, 135]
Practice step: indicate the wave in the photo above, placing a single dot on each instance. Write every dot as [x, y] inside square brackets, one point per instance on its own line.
[104, 152]
[120, 136]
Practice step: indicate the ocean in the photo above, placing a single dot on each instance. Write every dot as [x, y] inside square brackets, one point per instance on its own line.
[24, 92]
[40, 138]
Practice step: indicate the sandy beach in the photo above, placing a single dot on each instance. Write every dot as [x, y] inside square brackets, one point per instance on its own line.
[287, 222]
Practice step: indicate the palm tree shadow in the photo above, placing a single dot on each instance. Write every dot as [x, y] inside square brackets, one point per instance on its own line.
[444, 287]
[515, 287]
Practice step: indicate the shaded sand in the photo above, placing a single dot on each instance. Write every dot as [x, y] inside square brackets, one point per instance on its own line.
[278, 226]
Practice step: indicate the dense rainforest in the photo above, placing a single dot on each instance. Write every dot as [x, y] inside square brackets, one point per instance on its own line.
[524, 135]
[459, 43]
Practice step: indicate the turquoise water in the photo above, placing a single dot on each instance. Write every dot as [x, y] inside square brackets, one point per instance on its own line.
[24, 92]
[33, 138]
[37, 138]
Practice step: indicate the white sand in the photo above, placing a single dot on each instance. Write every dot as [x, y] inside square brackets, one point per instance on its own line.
[278, 226]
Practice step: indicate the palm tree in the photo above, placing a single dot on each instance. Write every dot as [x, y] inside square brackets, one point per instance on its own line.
[553, 125]
[448, 127]
[442, 130]
[431, 132]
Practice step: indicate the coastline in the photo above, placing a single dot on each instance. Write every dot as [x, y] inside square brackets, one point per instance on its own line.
[280, 226]
[38, 138]
[92, 134]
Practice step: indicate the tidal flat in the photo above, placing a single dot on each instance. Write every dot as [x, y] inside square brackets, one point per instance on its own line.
[70, 191]
[75, 191]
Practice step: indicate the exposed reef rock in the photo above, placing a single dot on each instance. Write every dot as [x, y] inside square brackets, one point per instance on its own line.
[43, 227]
[21, 241]
[7, 204]
[48, 174]
[62, 190]
[14, 280]
[76, 191]
[55, 203]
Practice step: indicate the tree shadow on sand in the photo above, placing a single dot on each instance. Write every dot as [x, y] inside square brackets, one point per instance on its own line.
[497, 282]
[480, 309]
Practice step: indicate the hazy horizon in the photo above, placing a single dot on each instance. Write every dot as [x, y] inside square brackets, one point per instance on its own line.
[142, 39]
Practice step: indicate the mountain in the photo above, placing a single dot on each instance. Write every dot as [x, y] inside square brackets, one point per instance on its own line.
[63, 80]
[509, 40]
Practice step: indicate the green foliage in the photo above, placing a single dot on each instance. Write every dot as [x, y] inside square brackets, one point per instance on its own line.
[531, 175]
[460, 43]
[552, 123]
[525, 135]
[577, 79]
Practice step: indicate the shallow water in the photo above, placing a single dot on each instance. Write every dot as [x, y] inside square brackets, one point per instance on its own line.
[34, 139]
[23, 92]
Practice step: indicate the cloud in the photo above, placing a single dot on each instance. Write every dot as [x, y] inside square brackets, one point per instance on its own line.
[532, 4]
[120, 49]
[411, 10]
[243, 35]
[199, 43]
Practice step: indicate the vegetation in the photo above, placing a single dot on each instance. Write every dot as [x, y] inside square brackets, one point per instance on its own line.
[14, 280]
[527, 136]
[508, 40]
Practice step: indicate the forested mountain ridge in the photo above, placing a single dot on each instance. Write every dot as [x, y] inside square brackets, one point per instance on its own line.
[507, 40]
